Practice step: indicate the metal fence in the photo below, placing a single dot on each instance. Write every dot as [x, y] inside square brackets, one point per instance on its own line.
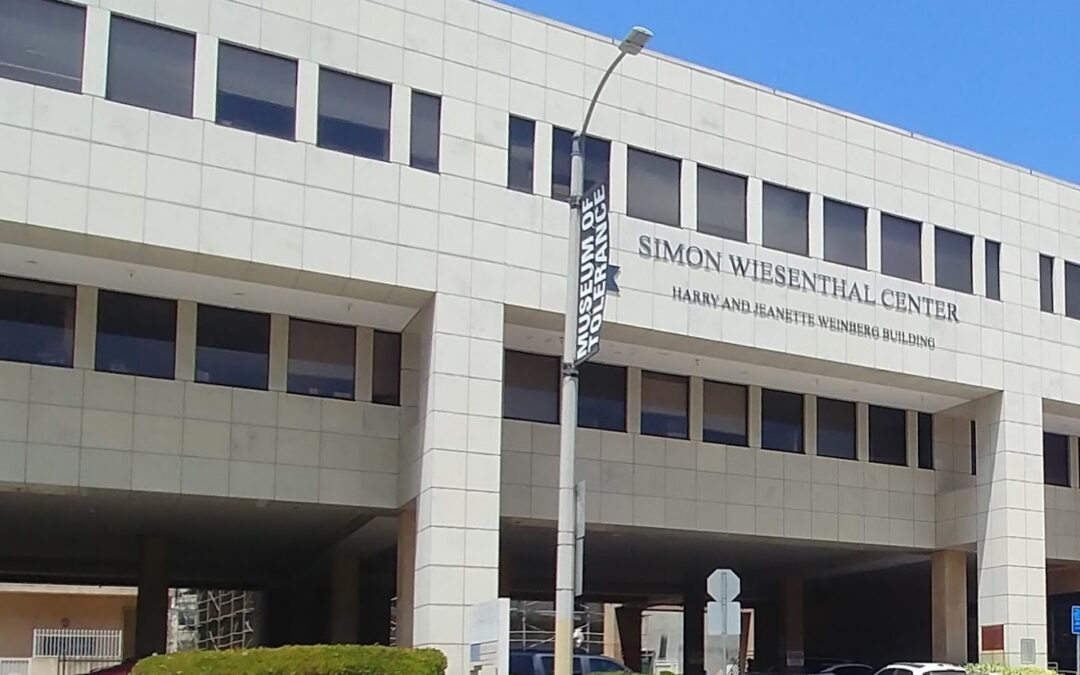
[14, 666]
[68, 643]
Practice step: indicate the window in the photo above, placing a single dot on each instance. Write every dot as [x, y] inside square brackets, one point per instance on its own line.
[1056, 459]
[521, 663]
[136, 335]
[993, 270]
[386, 368]
[150, 66]
[256, 92]
[232, 347]
[952, 260]
[845, 234]
[974, 449]
[652, 187]
[1072, 290]
[41, 42]
[901, 247]
[784, 219]
[724, 418]
[665, 405]
[888, 435]
[424, 139]
[781, 421]
[602, 397]
[354, 115]
[322, 359]
[1046, 283]
[519, 170]
[597, 157]
[835, 428]
[531, 387]
[926, 441]
[721, 209]
[37, 322]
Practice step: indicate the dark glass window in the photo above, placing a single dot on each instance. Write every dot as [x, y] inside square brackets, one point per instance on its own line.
[519, 169]
[1046, 283]
[531, 387]
[256, 91]
[652, 187]
[785, 219]
[901, 247]
[322, 359]
[665, 405]
[37, 322]
[150, 66]
[1072, 290]
[724, 419]
[354, 115]
[386, 368]
[974, 450]
[232, 347]
[1056, 459]
[845, 234]
[993, 270]
[41, 42]
[926, 441]
[602, 397]
[597, 156]
[136, 335]
[781, 421]
[888, 435]
[424, 136]
[835, 428]
[952, 262]
[721, 204]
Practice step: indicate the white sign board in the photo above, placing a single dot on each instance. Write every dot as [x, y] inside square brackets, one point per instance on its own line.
[489, 637]
[593, 248]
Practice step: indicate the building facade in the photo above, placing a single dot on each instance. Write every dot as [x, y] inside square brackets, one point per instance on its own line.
[283, 285]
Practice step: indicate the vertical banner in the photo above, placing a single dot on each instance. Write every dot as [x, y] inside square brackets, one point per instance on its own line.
[594, 247]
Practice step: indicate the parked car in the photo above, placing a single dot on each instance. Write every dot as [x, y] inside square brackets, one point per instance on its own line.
[845, 669]
[540, 662]
[921, 669]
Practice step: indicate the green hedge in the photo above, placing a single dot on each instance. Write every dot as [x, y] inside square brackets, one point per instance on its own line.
[299, 660]
[1002, 669]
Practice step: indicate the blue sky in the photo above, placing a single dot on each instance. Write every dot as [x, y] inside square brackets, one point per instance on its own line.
[1001, 77]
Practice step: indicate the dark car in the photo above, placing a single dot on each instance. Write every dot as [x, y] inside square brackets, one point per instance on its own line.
[539, 662]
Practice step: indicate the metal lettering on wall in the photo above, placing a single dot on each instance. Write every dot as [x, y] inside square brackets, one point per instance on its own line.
[595, 243]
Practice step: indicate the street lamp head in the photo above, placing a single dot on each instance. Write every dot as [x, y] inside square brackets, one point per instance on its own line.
[635, 41]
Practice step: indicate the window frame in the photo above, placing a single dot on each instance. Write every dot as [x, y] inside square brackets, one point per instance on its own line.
[1064, 458]
[432, 163]
[289, 383]
[889, 220]
[992, 269]
[837, 238]
[583, 420]
[392, 397]
[708, 227]
[554, 365]
[558, 135]
[871, 445]
[59, 81]
[1046, 283]
[226, 46]
[940, 264]
[110, 92]
[265, 384]
[709, 435]
[525, 184]
[684, 381]
[854, 453]
[800, 446]
[774, 243]
[64, 356]
[360, 82]
[924, 434]
[639, 161]
[99, 331]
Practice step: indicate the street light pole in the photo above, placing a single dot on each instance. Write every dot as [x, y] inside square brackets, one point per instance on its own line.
[564, 552]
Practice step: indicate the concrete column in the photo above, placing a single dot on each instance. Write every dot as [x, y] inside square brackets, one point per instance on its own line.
[95, 51]
[86, 311]
[206, 66]
[542, 159]
[612, 644]
[873, 240]
[862, 431]
[911, 437]
[186, 333]
[949, 599]
[406, 580]
[278, 369]
[307, 101]
[753, 210]
[344, 600]
[693, 632]
[816, 225]
[1010, 525]
[753, 413]
[929, 268]
[628, 618]
[697, 408]
[688, 198]
[633, 400]
[793, 629]
[978, 265]
[365, 344]
[617, 177]
[810, 424]
[400, 116]
[152, 606]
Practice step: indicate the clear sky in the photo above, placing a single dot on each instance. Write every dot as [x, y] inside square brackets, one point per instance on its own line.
[1001, 77]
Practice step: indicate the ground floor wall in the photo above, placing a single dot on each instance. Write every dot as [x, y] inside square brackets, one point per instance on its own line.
[24, 608]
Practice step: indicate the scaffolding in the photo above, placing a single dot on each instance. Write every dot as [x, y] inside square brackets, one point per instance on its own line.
[211, 620]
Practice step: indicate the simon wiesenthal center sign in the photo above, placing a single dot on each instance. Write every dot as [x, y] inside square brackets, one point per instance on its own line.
[795, 278]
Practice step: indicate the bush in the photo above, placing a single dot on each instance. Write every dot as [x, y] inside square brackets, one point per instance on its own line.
[299, 660]
[1002, 669]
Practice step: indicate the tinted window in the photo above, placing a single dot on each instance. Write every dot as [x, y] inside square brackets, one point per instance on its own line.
[256, 91]
[952, 262]
[599, 664]
[665, 405]
[926, 441]
[781, 421]
[721, 209]
[652, 187]
[322, 359]
[232, 347]
[521, 664]
[1072, 290]
[37, 322]
[150, 66]
[993, 270]
[724, 418]
[784, 219]
[354, 115]
[136, 335]
[41, 42]
[1046, 283]
[901, 247]
[597, 155]
[1056, 459]
[835, 428]
[845, 234]
[974, 449]
[602, 397]
[424, 137]
[386, 368]
[547, 664]
[888, 435]
[519, 170]
[531, 387]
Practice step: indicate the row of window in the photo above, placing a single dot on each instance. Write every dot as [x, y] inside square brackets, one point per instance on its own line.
[1046, 287]
[531, 393]
[136, 335]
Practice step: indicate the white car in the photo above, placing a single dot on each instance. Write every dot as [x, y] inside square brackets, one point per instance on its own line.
[847, 669]
[921, 669]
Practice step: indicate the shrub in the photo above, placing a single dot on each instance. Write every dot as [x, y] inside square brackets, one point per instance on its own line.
[1002, 669]
[298, 660]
